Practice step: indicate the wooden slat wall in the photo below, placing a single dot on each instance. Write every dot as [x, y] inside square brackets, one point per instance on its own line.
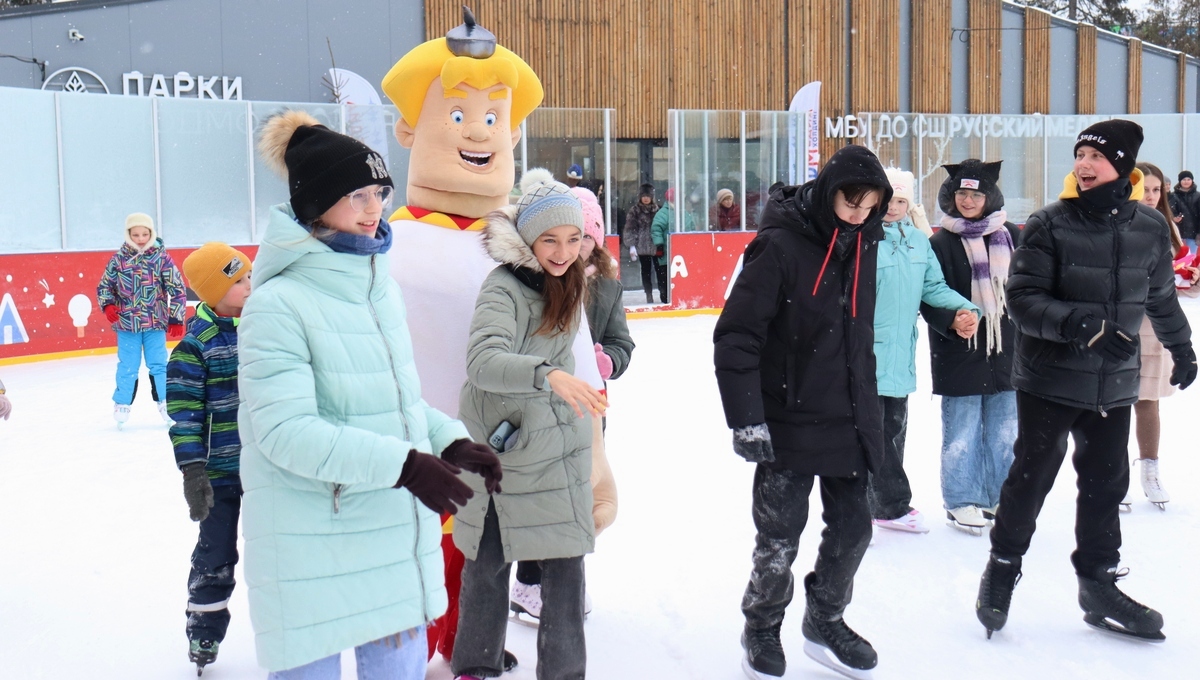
[1134, 90]
[931, 56]
[642, 57]
[1085, 88]
[1037, 61]
[875, 79]
[984, 86]
[1181, 85]
[817, 51]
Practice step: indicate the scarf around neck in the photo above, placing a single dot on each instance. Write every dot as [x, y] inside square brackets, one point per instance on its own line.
[357, 244]
[989, 268]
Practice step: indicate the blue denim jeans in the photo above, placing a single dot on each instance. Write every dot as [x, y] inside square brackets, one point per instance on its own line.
[977, 447]
[398, 657]
[130, 349]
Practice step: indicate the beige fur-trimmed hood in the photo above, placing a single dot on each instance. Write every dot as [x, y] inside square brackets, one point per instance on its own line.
[503, 242]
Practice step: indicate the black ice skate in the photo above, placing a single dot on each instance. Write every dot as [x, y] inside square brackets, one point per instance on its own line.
[833, 644]
[995, 591]
[1107, 609]
[764, 653]
[202, 653]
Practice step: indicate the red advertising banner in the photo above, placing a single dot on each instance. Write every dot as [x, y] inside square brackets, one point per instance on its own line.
[48, 302]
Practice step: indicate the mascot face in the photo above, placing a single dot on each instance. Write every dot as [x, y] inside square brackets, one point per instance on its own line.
[462, 149]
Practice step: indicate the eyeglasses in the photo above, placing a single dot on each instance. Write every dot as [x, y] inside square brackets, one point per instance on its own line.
[361, 200]
[971, 195]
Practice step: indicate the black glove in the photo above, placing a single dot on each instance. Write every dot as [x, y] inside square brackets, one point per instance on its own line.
[197, 490]
[476, 458]
[658, 251]
[753, 443]
[1184, 373]
[434, 482]
[1104, 338]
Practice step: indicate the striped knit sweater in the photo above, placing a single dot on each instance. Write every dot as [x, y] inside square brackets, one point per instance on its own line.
[202, 396]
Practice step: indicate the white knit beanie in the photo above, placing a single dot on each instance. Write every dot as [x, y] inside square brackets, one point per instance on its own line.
[902, 182]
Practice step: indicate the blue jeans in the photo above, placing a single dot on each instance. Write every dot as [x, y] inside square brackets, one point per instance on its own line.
[130, 349]
[384, 659]
[977, 448]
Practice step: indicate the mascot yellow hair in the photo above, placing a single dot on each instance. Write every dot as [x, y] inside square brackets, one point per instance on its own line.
[408, 81]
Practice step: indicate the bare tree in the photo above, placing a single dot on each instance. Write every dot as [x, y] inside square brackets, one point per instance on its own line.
[1172, 23]
[1111, 15]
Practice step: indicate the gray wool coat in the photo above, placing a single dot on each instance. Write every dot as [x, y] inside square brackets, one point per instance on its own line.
[545, 507]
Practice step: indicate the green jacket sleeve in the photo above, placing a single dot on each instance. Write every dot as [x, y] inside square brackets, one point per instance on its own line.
[492, 362]
[615, 338]
[278, 394]
[935, 292]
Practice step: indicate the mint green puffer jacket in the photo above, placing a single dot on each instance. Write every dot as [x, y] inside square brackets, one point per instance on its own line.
[330, 407]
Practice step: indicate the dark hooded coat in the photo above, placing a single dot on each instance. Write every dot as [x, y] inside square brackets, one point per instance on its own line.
[638, 221]
[794, 347]
[961, 368]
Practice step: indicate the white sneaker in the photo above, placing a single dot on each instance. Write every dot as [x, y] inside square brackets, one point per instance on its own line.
[162, 411]
[526, 599]
[913, 523]
[967, 518]
[1153, 488]
[120, 413]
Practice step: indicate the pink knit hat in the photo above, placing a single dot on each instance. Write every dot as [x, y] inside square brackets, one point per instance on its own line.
[593, 217]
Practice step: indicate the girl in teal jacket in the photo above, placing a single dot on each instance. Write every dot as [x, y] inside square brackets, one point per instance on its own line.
[908, 274]
[342, 487]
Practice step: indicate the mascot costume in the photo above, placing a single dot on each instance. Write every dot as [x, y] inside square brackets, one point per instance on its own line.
[462, 99]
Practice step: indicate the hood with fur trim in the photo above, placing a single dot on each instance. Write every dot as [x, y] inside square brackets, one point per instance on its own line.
[503, 242]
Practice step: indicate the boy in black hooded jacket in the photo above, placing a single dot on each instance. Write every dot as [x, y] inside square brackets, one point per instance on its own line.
[1088, 267]
[796, 368]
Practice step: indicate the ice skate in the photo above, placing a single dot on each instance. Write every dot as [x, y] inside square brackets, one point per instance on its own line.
[510, 661]
[989, 514]
[913, 523]
[120, 414]
[995, 591]
[1109, 610]
[1153, 488]
[202, 653]
[837, 647]
[1127, 503]
[967, 518]
[764, 653]
[162, 411]
[526, 600]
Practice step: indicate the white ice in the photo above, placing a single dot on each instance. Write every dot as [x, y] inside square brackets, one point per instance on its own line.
[95, 541]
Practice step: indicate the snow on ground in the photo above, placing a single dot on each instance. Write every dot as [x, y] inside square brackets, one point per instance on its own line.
[95, 541]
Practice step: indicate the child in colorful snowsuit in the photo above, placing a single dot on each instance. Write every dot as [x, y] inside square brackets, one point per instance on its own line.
[202, 400]
[142, 296]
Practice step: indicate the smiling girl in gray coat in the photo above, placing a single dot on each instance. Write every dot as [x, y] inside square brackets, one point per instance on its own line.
[522, 397]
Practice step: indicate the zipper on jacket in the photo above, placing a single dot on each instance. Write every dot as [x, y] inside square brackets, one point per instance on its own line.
[1116, 250]
[337, 498]
[407, 436]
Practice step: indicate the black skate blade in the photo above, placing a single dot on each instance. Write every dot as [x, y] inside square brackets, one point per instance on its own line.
[824, 656]
[1113, 628]
[989, 633]
[753, 674]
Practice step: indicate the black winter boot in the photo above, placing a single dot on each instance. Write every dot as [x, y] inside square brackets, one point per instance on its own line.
[1107, 608]
[764, 652]
[827, 633]
[995, 591]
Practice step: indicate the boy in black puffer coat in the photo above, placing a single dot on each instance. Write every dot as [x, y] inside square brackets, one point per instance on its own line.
[796, 368]
[1087, 269]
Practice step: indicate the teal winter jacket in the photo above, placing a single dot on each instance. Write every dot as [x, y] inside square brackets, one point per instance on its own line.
[330, 407]
[908, 274]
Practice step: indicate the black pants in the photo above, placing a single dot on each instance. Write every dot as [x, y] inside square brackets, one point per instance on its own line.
[483, 613]
[210, 582]
[780, 511]
[888, 490]
[1101, 462]
[650, 264]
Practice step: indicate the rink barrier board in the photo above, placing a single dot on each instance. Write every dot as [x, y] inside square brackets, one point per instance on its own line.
[48, 304]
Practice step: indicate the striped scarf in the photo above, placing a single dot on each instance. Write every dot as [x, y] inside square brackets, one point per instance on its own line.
[989, 268]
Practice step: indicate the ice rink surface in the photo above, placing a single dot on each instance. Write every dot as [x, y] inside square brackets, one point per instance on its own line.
[95, 540]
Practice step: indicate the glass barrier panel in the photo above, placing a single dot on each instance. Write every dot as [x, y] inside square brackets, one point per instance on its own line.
[31, 220]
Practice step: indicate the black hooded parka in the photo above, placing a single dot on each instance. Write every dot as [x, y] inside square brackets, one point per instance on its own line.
[794, 347]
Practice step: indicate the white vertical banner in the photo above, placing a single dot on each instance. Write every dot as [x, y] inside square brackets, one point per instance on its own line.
[364, 119]
[806, 150]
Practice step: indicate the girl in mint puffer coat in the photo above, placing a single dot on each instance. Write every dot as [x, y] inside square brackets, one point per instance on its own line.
[908, 274]
[342, 484]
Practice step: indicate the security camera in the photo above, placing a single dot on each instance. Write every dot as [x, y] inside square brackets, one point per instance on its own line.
[75, 35]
